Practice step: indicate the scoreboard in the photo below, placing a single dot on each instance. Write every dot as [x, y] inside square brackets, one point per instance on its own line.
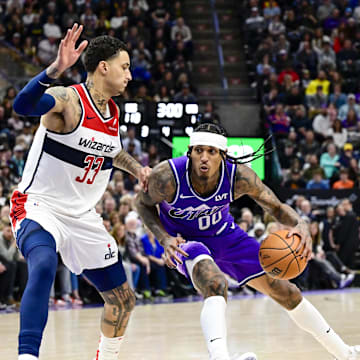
[159, 119]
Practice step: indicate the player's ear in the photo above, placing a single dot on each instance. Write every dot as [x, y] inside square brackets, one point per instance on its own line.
[103, 67]
[189, 151]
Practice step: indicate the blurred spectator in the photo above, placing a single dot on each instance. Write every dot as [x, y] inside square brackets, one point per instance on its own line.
[279, 122]
[346, 233]
[338, 133]
[155, 253]
[346, 155]
[312, 166]
[351, 122]
[295, 181]
[351, 104]
[320, 81]
[318, 182]
[130, 140]
[13, 267]
[185, 96]
[180, 28]
[47, 50]
[309, 145]
[329, 161]
[344, 182]
[338, 98]
[132, 270]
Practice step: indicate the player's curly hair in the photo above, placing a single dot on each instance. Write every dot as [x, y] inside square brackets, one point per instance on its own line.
[102, 48]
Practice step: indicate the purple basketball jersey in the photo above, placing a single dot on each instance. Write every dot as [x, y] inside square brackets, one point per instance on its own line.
[208, 221]
[195, 217]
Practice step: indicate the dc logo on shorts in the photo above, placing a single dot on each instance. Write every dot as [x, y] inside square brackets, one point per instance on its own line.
[110, 254]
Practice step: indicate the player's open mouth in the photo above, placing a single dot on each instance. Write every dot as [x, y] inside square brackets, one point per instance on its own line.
[204, 168]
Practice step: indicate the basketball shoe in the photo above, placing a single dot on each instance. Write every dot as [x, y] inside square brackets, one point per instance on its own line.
[246, 356]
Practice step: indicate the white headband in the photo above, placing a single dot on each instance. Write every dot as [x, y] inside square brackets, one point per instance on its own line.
[209, 139]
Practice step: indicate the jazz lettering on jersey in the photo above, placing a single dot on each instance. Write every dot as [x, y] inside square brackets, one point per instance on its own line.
[191, 213]
[95, 145]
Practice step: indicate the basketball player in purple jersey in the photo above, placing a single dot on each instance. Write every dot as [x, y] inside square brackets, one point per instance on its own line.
[193, 193]
[67, 171]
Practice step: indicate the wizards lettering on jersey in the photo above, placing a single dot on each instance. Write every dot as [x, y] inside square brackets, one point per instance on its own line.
[95, 145]
[194, 213]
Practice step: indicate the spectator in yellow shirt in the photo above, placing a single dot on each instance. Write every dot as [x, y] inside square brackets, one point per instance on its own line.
[319, 81]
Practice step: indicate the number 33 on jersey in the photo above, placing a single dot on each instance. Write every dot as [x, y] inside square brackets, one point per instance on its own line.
[82, 158]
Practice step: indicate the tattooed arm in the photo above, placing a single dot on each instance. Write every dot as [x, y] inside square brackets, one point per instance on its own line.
[125, 161]
[247, 182]
[162, 187]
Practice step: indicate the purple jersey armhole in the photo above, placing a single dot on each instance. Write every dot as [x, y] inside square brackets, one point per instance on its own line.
[176, 176]
[233, 182]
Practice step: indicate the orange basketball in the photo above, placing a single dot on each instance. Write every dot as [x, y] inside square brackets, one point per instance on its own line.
[278, 257]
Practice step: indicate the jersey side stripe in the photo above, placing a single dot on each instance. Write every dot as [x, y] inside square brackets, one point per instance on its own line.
[37, 166]
[71, 155]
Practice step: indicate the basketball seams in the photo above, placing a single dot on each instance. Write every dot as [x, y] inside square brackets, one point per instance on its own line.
[292, 251]
[289, 264]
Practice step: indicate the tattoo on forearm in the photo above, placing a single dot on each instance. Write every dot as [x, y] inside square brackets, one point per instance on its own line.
[150, 216]
[162, 186]
[119, 303]
[125, 161]
[209, 279]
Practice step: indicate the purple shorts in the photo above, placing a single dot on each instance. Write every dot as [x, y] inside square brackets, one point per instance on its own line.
[236, 254]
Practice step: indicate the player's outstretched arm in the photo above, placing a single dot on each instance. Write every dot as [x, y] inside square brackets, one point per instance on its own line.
[32, 99]
[124, 161]
[247, 182]
[161, 187]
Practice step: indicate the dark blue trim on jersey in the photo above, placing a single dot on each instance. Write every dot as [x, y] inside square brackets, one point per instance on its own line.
[72, 156]
[37, 165]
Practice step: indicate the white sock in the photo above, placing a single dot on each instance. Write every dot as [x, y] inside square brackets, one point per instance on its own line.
[27, 357]
[109, 348]
[309, 319]
[213, 324]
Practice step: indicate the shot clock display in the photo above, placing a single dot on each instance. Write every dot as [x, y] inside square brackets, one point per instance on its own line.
[159, 119]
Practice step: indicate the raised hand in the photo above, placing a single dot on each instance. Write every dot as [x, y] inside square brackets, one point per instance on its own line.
[67, 53]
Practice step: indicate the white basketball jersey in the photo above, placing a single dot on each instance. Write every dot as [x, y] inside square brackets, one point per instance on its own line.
[70, 172]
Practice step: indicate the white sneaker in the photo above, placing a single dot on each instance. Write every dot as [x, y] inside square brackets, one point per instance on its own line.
[354, 353]
[246, 356]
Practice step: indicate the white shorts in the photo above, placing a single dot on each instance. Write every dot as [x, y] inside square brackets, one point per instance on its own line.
[82, 242]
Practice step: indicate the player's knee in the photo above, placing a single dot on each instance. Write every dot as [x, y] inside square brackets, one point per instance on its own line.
[209, 279]
[217, 286]
[46, 269]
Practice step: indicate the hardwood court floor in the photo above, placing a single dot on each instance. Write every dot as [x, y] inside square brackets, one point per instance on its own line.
[172, 331]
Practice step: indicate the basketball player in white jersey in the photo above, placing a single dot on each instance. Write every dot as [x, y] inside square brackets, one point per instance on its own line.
[67, 171]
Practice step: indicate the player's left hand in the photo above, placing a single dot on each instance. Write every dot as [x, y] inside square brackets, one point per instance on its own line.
[143, 177]
[305, 246]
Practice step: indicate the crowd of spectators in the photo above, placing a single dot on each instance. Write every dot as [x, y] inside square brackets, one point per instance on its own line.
[306, 56]
[158, 39]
